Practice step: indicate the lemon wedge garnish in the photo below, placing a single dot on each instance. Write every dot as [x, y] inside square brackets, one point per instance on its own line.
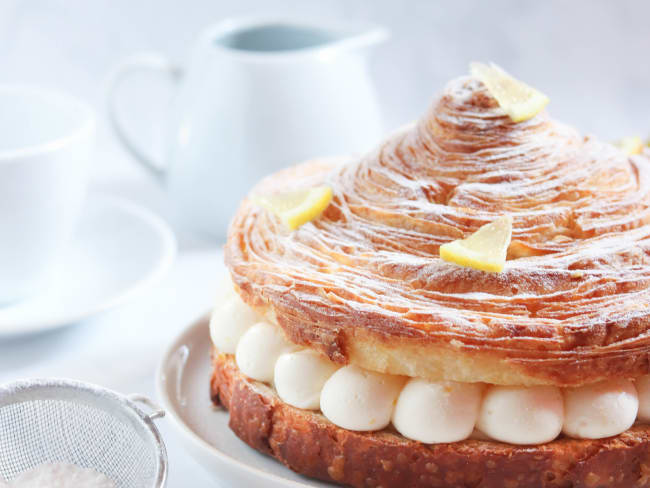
[630, 145]
[298, 207]
[485, 249]
[520, 101]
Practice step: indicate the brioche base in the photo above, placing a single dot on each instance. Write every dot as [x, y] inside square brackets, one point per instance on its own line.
[309, 444]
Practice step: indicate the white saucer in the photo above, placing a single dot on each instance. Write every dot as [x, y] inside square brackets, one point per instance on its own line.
[183, 381]
[118, 250]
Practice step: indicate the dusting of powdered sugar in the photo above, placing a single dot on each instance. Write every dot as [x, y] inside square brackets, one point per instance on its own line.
[60, 475]
[580, 253]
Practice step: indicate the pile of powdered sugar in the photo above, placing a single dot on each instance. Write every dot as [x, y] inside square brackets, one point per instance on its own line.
[60, 475]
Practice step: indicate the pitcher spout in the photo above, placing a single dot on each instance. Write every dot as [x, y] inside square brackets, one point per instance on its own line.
[360, 36]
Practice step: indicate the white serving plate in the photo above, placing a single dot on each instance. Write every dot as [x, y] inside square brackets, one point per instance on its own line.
[183, 381]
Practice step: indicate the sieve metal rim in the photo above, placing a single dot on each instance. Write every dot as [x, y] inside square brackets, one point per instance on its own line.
[62, 388]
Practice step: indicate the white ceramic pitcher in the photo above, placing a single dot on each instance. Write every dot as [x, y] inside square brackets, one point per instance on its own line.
[258, 95]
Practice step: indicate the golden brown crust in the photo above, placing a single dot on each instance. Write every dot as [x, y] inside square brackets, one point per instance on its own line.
[309, 444]
[364, 282]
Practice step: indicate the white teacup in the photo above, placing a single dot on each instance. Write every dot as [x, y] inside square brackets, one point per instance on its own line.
[46, 140]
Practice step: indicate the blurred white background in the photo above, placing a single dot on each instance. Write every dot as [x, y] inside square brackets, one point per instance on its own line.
[590, 56]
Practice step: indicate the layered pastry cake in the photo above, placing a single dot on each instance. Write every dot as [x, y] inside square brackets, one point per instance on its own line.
[465, 306]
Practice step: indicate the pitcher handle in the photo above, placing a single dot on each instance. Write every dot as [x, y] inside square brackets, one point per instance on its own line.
[140, 62]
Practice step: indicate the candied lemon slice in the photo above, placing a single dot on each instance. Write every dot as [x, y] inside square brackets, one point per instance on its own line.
[296, 208]
[485, 249]
[520, 101]
[630, 145]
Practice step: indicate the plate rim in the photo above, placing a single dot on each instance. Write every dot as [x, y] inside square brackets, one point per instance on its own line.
[169, 247]
[202, 321]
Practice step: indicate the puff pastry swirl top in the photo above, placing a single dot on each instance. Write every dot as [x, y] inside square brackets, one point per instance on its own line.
[364, 283]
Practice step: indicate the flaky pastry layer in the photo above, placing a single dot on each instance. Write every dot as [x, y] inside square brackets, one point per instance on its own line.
[364, 282]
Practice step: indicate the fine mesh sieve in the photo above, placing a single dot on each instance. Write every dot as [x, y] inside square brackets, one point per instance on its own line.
[63, 421]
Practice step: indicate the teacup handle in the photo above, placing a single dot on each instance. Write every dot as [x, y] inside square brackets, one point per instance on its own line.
[140, 62]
